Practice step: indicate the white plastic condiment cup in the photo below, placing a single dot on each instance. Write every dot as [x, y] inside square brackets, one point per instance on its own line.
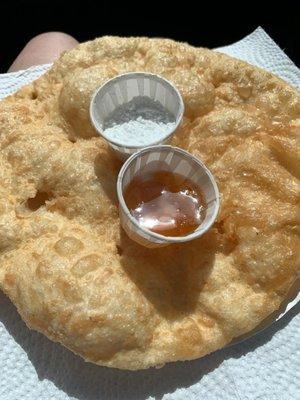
[172, 159]
[122, 89]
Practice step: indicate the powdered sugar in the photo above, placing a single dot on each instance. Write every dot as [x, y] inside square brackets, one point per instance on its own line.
[138, 132]
[141, 121]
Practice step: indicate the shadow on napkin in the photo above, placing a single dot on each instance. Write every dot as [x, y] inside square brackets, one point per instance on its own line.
[86, 381]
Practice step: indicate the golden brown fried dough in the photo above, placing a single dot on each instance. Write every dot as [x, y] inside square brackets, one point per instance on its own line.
[66, 264]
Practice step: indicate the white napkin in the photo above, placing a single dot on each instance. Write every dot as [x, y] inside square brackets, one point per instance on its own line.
[263, 367]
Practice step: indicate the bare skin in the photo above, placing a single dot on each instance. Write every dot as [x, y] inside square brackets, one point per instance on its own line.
[42, 49]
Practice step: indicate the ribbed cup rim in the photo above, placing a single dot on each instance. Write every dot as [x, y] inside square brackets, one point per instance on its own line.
[167, 239]
[120, 77]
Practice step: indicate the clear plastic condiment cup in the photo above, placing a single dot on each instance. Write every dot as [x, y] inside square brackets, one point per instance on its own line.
[122, 89]
[172, 159]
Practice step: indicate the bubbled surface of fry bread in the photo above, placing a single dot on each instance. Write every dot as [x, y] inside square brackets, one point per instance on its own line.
[66, 264]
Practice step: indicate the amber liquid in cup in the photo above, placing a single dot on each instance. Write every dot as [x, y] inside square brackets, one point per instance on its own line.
[165, 202]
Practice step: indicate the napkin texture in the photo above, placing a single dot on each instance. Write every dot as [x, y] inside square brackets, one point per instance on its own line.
[266, 366]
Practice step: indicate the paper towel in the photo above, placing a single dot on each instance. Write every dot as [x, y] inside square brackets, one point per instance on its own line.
[263, 367]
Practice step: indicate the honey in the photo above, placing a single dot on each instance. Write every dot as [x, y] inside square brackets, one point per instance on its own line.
[165, 202]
